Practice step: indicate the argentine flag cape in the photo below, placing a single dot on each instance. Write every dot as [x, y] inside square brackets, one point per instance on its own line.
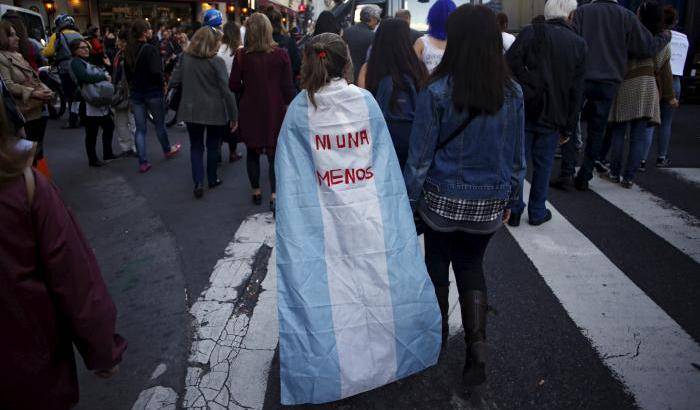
[357, 309]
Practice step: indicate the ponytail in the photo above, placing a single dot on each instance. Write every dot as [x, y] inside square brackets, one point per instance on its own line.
[325, 58]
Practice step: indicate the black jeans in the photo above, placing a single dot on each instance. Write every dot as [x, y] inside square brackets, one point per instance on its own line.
[35, 130]
[92, 127]
[466, 253]
[214, 135]
[253, 167]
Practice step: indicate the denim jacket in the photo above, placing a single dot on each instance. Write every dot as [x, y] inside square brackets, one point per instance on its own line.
[398, 121]
[486, 161]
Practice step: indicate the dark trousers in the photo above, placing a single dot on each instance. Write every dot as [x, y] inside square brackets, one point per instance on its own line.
[599, 97]
[214, 135]
[466, 253]
[253, 167]
[69, 93]
[92, 127]
[35, 130]
[540, 146]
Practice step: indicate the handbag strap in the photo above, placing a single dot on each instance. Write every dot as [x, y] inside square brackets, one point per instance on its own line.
[457, 131]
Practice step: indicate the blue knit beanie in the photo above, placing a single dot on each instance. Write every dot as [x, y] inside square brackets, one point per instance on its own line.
[437, 18]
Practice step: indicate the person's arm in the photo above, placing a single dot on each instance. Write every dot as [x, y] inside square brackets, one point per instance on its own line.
[362, 77]
[235, 81]
[287, 84]
[641, 43]
[17, 90]
[576, 93]
[517, 177]
[664, 77]
[80, 70]
[517, 53]
[74, 280]
[50, 49]
[422, 145]
[222, 80]
[418, 48]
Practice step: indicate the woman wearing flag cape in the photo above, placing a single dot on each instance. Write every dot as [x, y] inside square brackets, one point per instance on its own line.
[357, 309]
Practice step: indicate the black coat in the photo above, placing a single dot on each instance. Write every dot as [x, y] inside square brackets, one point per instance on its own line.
[559, 67]
[359, 38]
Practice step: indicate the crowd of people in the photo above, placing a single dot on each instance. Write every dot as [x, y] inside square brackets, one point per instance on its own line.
[466, 107]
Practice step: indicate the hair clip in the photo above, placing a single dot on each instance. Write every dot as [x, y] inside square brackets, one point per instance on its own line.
[322, 54]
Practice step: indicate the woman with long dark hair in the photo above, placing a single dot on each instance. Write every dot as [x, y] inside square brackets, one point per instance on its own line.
[394, 75]
[637, 104]
[466, 161]
[144, 72]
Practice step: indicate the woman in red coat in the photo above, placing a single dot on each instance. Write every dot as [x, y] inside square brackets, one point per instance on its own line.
[52, 296]
[262, 74]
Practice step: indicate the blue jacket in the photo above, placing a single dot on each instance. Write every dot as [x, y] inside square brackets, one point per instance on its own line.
[486, 161]
[400, 120]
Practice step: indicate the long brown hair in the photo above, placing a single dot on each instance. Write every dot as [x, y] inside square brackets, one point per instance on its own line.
[232, 36]
[325, 58]
[258, 35]
[12, 161]
[136, 30]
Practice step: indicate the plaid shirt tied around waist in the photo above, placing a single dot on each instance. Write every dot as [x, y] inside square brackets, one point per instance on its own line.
[482, 210]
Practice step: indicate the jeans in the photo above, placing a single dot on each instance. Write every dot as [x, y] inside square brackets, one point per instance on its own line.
[466, 253]
[666, 121]
[214, 135]
[92, 127]
[141, 105]
[599, 97]
[253, 167]
[638, 133]
[540, 146]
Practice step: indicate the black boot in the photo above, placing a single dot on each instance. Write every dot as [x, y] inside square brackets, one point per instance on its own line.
[442, 293]
[474, 308]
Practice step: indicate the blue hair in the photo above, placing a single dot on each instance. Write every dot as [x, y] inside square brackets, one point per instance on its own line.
[437, 18]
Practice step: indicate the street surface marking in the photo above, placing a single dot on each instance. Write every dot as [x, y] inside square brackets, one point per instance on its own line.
[644, 347]
[156, 398]
[677, 227]
[233, 344]
[691, 175]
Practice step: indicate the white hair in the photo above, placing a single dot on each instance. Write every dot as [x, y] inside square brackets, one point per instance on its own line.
[370, 11]
[559, 8]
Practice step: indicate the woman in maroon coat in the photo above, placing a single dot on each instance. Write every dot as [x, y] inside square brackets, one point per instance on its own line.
[52, 295]
[262, 74]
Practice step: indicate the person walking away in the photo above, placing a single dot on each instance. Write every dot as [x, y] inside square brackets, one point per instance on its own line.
[679, 53]
[549, 61]
[109, 41]
[394, 75]
[637, 104]
[359, 37]
[466, 163]
[431, 47]
[52, 295]
[340, 190]
[58, 49]
[30, 94]
[326, 23]
[97, 52]
[124, 125]
[96, 117]
[613, 34]
[144, 72]
[207, 104]
[508, 39]
[230, 44]
[262, 74]
[405, 15]
[285, 42]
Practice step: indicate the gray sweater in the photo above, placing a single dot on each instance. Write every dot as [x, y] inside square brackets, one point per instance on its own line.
[613, 33]
[206, 98]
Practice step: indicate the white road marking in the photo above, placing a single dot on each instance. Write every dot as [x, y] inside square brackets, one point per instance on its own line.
[644, 347]
[156, 398]
[691, 175]
[676, 226]
[231, 352]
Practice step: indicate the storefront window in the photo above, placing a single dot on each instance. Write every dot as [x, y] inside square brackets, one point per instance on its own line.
[519, 12]
[115, 13]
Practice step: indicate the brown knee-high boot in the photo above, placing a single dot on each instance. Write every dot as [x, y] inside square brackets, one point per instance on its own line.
[474, 307]
[443, 299]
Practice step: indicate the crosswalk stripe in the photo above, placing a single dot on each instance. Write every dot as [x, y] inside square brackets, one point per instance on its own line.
[644, 347]
[691, 175]
[676, 226]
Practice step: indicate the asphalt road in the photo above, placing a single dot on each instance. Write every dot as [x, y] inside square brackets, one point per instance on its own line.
[157, 247]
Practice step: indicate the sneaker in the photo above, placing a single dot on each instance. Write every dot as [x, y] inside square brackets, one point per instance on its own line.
[145, 167]
[612, 178]
[538, 222]
[174, 150]
[626, 183]
[600, 167]
[198, 191]
[181, 124]
[663, 163]
[643, 166]
[110, 158]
